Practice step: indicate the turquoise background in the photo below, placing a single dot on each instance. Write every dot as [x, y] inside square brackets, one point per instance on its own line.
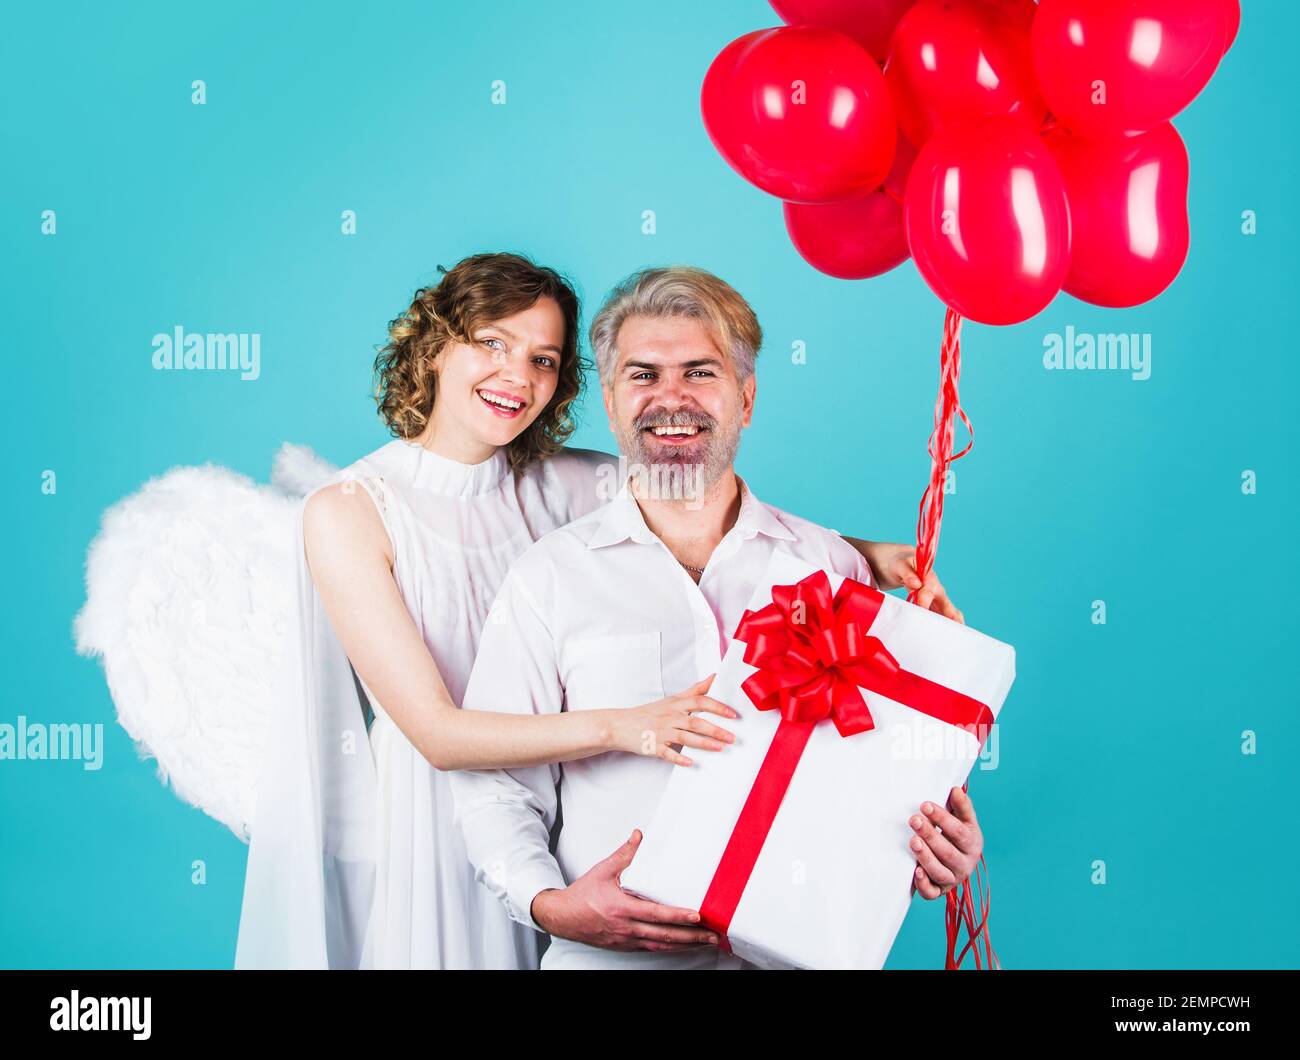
[1119, 743]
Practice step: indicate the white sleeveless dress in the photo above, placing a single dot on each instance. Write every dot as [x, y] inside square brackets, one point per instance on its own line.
[354, 861]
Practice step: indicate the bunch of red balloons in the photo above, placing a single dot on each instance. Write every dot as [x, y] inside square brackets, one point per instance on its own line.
[1011, 148]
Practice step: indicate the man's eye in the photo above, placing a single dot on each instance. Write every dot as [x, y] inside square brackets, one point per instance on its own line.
[643, 375]
[700, 371]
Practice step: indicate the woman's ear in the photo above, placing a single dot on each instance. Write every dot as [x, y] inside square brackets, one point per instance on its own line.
[434, 358]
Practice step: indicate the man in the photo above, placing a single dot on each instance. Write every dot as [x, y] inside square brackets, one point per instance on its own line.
[638, 597]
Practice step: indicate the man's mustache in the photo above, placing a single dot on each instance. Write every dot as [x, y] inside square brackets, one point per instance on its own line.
[678, 418]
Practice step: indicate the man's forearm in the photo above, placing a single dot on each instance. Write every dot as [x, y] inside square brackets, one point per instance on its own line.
[505, 819]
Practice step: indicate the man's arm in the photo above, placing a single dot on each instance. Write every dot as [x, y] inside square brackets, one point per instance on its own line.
[506, 816]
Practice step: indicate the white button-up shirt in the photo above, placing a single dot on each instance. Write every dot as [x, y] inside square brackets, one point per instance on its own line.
[597, 614]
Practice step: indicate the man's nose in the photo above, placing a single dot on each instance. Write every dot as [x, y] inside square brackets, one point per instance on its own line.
[674, 395]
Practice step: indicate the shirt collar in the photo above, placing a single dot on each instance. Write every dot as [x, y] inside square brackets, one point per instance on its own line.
[623, 520]
[440, 474]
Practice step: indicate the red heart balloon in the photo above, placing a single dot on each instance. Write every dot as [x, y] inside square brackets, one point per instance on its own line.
[869, 22]
[954, 60]
[852, 240]
[1128, 213]
[801, 112]
[896, 183]
[987, 221]
[1232, 22]
[1108, 67]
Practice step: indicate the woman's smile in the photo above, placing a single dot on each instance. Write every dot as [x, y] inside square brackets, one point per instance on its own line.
[507, 406]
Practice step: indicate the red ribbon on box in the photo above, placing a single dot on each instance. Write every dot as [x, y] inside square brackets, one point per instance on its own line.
[814, 654]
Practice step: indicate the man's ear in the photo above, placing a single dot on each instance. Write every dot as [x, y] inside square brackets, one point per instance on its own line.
[748, 390]
[607, 395]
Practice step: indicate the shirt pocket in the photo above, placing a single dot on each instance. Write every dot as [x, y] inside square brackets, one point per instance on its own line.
[612, 670]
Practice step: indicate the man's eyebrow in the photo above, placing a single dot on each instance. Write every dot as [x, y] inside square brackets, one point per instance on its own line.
[698, 363]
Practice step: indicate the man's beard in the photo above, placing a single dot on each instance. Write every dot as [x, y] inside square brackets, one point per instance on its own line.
[678, 471]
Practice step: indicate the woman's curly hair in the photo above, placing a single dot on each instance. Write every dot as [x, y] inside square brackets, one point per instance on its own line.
[480, 289]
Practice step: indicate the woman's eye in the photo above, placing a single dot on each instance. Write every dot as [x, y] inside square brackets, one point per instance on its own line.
[545, 362]
[488, 342]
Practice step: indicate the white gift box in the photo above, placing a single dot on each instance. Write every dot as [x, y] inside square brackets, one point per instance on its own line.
[832, 881]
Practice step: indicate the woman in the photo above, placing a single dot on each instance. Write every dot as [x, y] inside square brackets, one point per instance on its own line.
[355, 860]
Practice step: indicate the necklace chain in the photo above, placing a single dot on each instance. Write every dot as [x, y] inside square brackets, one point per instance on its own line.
[697, 570]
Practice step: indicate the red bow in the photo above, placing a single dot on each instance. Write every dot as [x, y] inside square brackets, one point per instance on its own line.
[813, 653]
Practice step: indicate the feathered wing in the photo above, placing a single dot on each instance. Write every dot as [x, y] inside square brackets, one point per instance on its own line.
[296, 470]
[190, 585]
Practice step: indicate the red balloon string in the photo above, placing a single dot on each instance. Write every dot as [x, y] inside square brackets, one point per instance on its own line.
[930, 514]
[960, 911]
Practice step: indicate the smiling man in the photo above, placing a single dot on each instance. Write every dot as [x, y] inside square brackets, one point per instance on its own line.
[638, 597]
[674, 453]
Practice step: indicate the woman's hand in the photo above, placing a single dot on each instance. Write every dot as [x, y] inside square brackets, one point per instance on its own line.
[895, 565]
[654, 728]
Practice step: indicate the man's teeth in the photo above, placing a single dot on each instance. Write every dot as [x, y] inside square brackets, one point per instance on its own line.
[662, 431]
[505, 403]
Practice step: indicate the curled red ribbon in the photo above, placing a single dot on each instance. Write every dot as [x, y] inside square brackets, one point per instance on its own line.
[960, 911]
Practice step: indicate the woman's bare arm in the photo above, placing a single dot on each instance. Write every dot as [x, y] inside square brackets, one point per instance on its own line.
[351, 562]
[895, 565]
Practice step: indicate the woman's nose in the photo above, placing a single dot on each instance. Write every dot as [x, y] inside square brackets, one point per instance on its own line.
[514, 370]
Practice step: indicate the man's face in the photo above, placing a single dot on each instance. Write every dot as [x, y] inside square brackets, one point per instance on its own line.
[676, 400]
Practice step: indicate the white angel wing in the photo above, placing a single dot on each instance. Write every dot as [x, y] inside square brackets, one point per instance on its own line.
[189, 586]
[296, 470]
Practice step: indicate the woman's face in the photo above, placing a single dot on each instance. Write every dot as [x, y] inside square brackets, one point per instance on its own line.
[493, 387]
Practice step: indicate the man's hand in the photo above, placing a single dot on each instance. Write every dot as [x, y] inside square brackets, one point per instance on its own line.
[594, 909]
[945, 860]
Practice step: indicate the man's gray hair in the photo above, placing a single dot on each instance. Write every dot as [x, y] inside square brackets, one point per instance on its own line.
[678, 291]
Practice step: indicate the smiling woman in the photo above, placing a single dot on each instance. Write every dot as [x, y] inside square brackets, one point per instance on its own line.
[494, 318]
